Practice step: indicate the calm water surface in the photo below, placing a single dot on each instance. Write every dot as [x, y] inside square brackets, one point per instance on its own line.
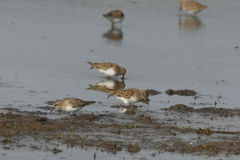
[45, 45]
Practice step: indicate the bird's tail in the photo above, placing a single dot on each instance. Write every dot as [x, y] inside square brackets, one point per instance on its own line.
[92, 66]
[112, 91]
[89, 87]
[110, 95]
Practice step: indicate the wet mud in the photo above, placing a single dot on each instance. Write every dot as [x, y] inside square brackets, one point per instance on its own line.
[131, 131]
[185, 92]
[207, 110]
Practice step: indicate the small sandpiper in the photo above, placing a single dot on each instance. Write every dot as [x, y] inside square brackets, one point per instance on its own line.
[190, 6]
[114, 17]
[131, 95]
[71, 104]
[109, 69]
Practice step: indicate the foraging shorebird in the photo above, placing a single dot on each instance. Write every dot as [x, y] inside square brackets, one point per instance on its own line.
[71, 104]
[109, 69]
[190, 6]
[131, 95]
[115, 16]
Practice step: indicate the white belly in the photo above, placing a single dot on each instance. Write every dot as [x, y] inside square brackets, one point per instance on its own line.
[117, 20]
[114, 20]
[128, 101]
[193, 11]
[108, 72]
[71, 109]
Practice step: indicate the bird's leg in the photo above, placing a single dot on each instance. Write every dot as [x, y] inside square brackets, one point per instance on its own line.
[112, 25]
[123, 76]
[52, 109]
[66, 113]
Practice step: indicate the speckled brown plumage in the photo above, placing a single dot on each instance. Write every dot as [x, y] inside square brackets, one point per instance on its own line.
[107, 65]
[115, 14]
[127, 94]
[191, 6]
[103, 66]
[74, 103]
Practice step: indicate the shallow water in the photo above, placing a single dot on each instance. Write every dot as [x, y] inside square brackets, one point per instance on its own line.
[45, 46]
[76, 153]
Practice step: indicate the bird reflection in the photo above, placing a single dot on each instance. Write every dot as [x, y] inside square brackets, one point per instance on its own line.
[107, 84]
[113, 34]
[189, 23]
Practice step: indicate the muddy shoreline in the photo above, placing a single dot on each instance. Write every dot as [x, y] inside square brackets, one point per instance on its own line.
[130, 131]
[190, 69]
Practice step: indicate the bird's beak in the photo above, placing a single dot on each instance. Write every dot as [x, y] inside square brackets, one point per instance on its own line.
[147, 101]
[52, 109]
[180, 9]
